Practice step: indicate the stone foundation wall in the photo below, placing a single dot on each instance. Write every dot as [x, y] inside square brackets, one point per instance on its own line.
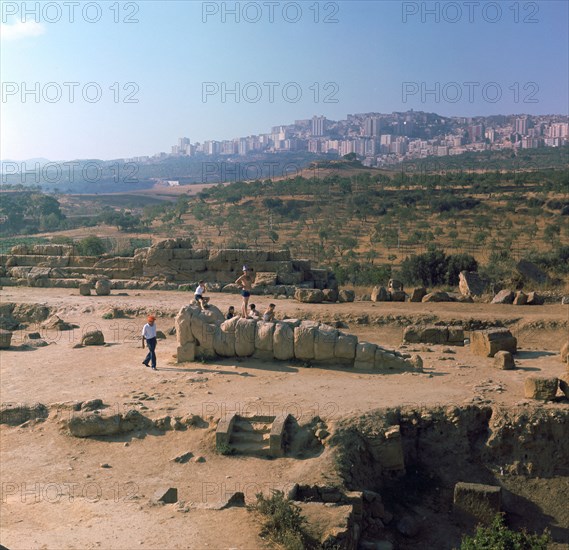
[173, 261]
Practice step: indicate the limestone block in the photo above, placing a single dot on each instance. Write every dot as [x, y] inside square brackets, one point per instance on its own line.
[398, 296]
[304, 341]
[182, 254]
[182, 323]
[417, 294]
[186, 353]
[536, 387]
[386, 360]
[190, 266]
[83, 261]
[324, 343]
[380, 294]
[103, 287]
[292, 278]
[301, 265]
[477, 501]
[436, 297]
[203, 330]
[245, 337]
[158, 257]
[503, 360]
[365, 355]
[85, 289]
[504, 297]
[309, 296]
[487, 342]
[224, 339]
[346, 296]
[264, 278]
[264, 336]
[283, 341]
[456, 335]
[345, 348]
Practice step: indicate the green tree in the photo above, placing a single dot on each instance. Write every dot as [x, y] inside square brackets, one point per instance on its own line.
[91, 246]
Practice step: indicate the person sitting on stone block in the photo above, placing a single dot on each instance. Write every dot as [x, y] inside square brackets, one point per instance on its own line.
[230, 313]
[269, 314]
[253, 313]
[199, 297]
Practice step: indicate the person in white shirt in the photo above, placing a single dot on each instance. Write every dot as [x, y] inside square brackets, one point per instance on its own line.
[199, 297]
[149, 335]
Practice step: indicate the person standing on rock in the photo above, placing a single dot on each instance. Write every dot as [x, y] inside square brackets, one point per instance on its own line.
[246, 284]
[149, 334]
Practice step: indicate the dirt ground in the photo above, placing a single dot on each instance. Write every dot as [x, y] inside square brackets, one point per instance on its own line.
[57, 494]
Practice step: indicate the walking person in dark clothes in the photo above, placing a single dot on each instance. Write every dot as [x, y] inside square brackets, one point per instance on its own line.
[149, 334]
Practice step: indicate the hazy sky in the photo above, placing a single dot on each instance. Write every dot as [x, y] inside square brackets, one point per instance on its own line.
[287, 60]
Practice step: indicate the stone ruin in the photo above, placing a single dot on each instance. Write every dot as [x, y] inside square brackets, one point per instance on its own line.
[207, 334]
[166, 265]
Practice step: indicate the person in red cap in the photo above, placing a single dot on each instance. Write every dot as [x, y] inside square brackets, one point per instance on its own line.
[149, 334]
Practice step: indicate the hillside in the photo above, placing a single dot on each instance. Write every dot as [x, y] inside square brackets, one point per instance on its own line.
[363, 222]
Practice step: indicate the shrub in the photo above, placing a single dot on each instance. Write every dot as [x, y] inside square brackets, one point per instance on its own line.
[556, 261]
[500, 267]
[91, 246]
[282, 521]
[458, 263]
[499, 537]
[435, 268]
[362, 274]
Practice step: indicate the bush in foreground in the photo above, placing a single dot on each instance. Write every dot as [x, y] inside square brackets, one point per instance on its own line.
[282, 521]
[499, 537]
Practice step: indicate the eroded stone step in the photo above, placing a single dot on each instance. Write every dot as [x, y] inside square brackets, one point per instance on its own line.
[251, 449]
[241, 426]
[249, 437]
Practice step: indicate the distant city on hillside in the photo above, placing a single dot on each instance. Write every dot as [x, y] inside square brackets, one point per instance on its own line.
[381, 140]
